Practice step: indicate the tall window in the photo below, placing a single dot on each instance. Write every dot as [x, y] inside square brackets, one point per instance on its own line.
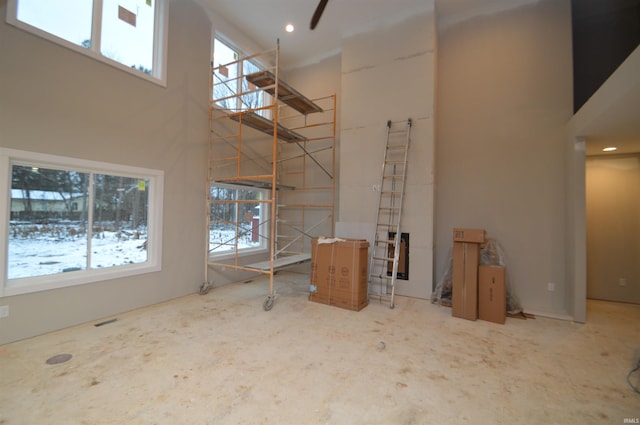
[72, 221]
[238, 219]
[231, 89]
[129, 33]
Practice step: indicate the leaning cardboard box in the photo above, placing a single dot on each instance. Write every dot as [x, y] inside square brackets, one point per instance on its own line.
[466, 258]
[464, 296]
[339, 272]
[492, 299]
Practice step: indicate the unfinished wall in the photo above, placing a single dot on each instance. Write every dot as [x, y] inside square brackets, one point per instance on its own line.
[613, 229]
[504, 97]
[316, 81]
[57, 101]
[389, 74]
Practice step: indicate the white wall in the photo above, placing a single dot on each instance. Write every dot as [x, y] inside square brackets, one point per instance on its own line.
[60, 102]
[504, 98]
[389, 74]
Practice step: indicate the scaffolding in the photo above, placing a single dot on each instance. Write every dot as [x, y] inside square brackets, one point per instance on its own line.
[266, 135]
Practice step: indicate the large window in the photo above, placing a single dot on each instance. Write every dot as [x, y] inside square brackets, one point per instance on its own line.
[230, 88]
[238, 220]
[129, 34]
[72, 221]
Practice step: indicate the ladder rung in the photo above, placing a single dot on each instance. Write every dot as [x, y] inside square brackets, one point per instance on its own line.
[384, 258]
[385, 241]
[380, 276]
[387, 225]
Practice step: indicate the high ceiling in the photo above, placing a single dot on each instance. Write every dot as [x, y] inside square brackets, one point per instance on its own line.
[265, 20]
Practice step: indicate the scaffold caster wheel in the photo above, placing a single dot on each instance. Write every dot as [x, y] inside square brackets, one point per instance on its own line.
[205, 288]
[268, 303]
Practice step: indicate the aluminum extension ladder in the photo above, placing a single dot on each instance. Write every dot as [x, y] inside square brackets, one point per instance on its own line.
[382, 275]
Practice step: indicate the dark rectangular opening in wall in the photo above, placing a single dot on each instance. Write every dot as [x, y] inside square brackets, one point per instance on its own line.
[604, 33]
[403, 264]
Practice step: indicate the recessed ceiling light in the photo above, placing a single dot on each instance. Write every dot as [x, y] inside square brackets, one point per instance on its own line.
[289, 28]
[610, 149]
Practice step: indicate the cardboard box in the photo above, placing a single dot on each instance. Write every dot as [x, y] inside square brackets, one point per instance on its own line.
[469, 235]
[464, 297]
[339, 273]
[492, 297]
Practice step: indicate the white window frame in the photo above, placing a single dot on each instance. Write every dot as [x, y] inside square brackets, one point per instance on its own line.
[161, 29]
[264, 225]
[255, 62]
[11, 287]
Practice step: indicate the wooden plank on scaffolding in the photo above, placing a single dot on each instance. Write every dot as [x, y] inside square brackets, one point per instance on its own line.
[262, 184]
[260, 123]
[286, 94]
[282, 262]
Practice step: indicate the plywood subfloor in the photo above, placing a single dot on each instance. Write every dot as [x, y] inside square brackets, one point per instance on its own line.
[220, 359]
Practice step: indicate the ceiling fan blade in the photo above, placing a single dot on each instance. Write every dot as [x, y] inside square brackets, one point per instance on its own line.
[318, 13]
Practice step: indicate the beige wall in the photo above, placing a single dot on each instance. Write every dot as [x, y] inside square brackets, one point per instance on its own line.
[504, 98]
[613, 228]
[389, 74]
[57, 101]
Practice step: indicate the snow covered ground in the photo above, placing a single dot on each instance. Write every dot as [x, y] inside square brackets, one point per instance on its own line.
[37, 254]
[222, 240]
[55, 250]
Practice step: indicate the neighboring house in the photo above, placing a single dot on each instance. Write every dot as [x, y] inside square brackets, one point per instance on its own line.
[45, 203]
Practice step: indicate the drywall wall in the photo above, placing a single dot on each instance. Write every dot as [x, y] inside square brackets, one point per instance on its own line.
[504, 97]
[613, 229]
[389, 74]
[57, 101]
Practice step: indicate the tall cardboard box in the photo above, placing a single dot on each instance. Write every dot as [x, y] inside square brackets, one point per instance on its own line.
[464, 296]
[492, 297]
[339, 273]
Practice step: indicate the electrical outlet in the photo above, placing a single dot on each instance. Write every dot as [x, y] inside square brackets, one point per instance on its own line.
[622, 281]
[4, 311]
[551, 287]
